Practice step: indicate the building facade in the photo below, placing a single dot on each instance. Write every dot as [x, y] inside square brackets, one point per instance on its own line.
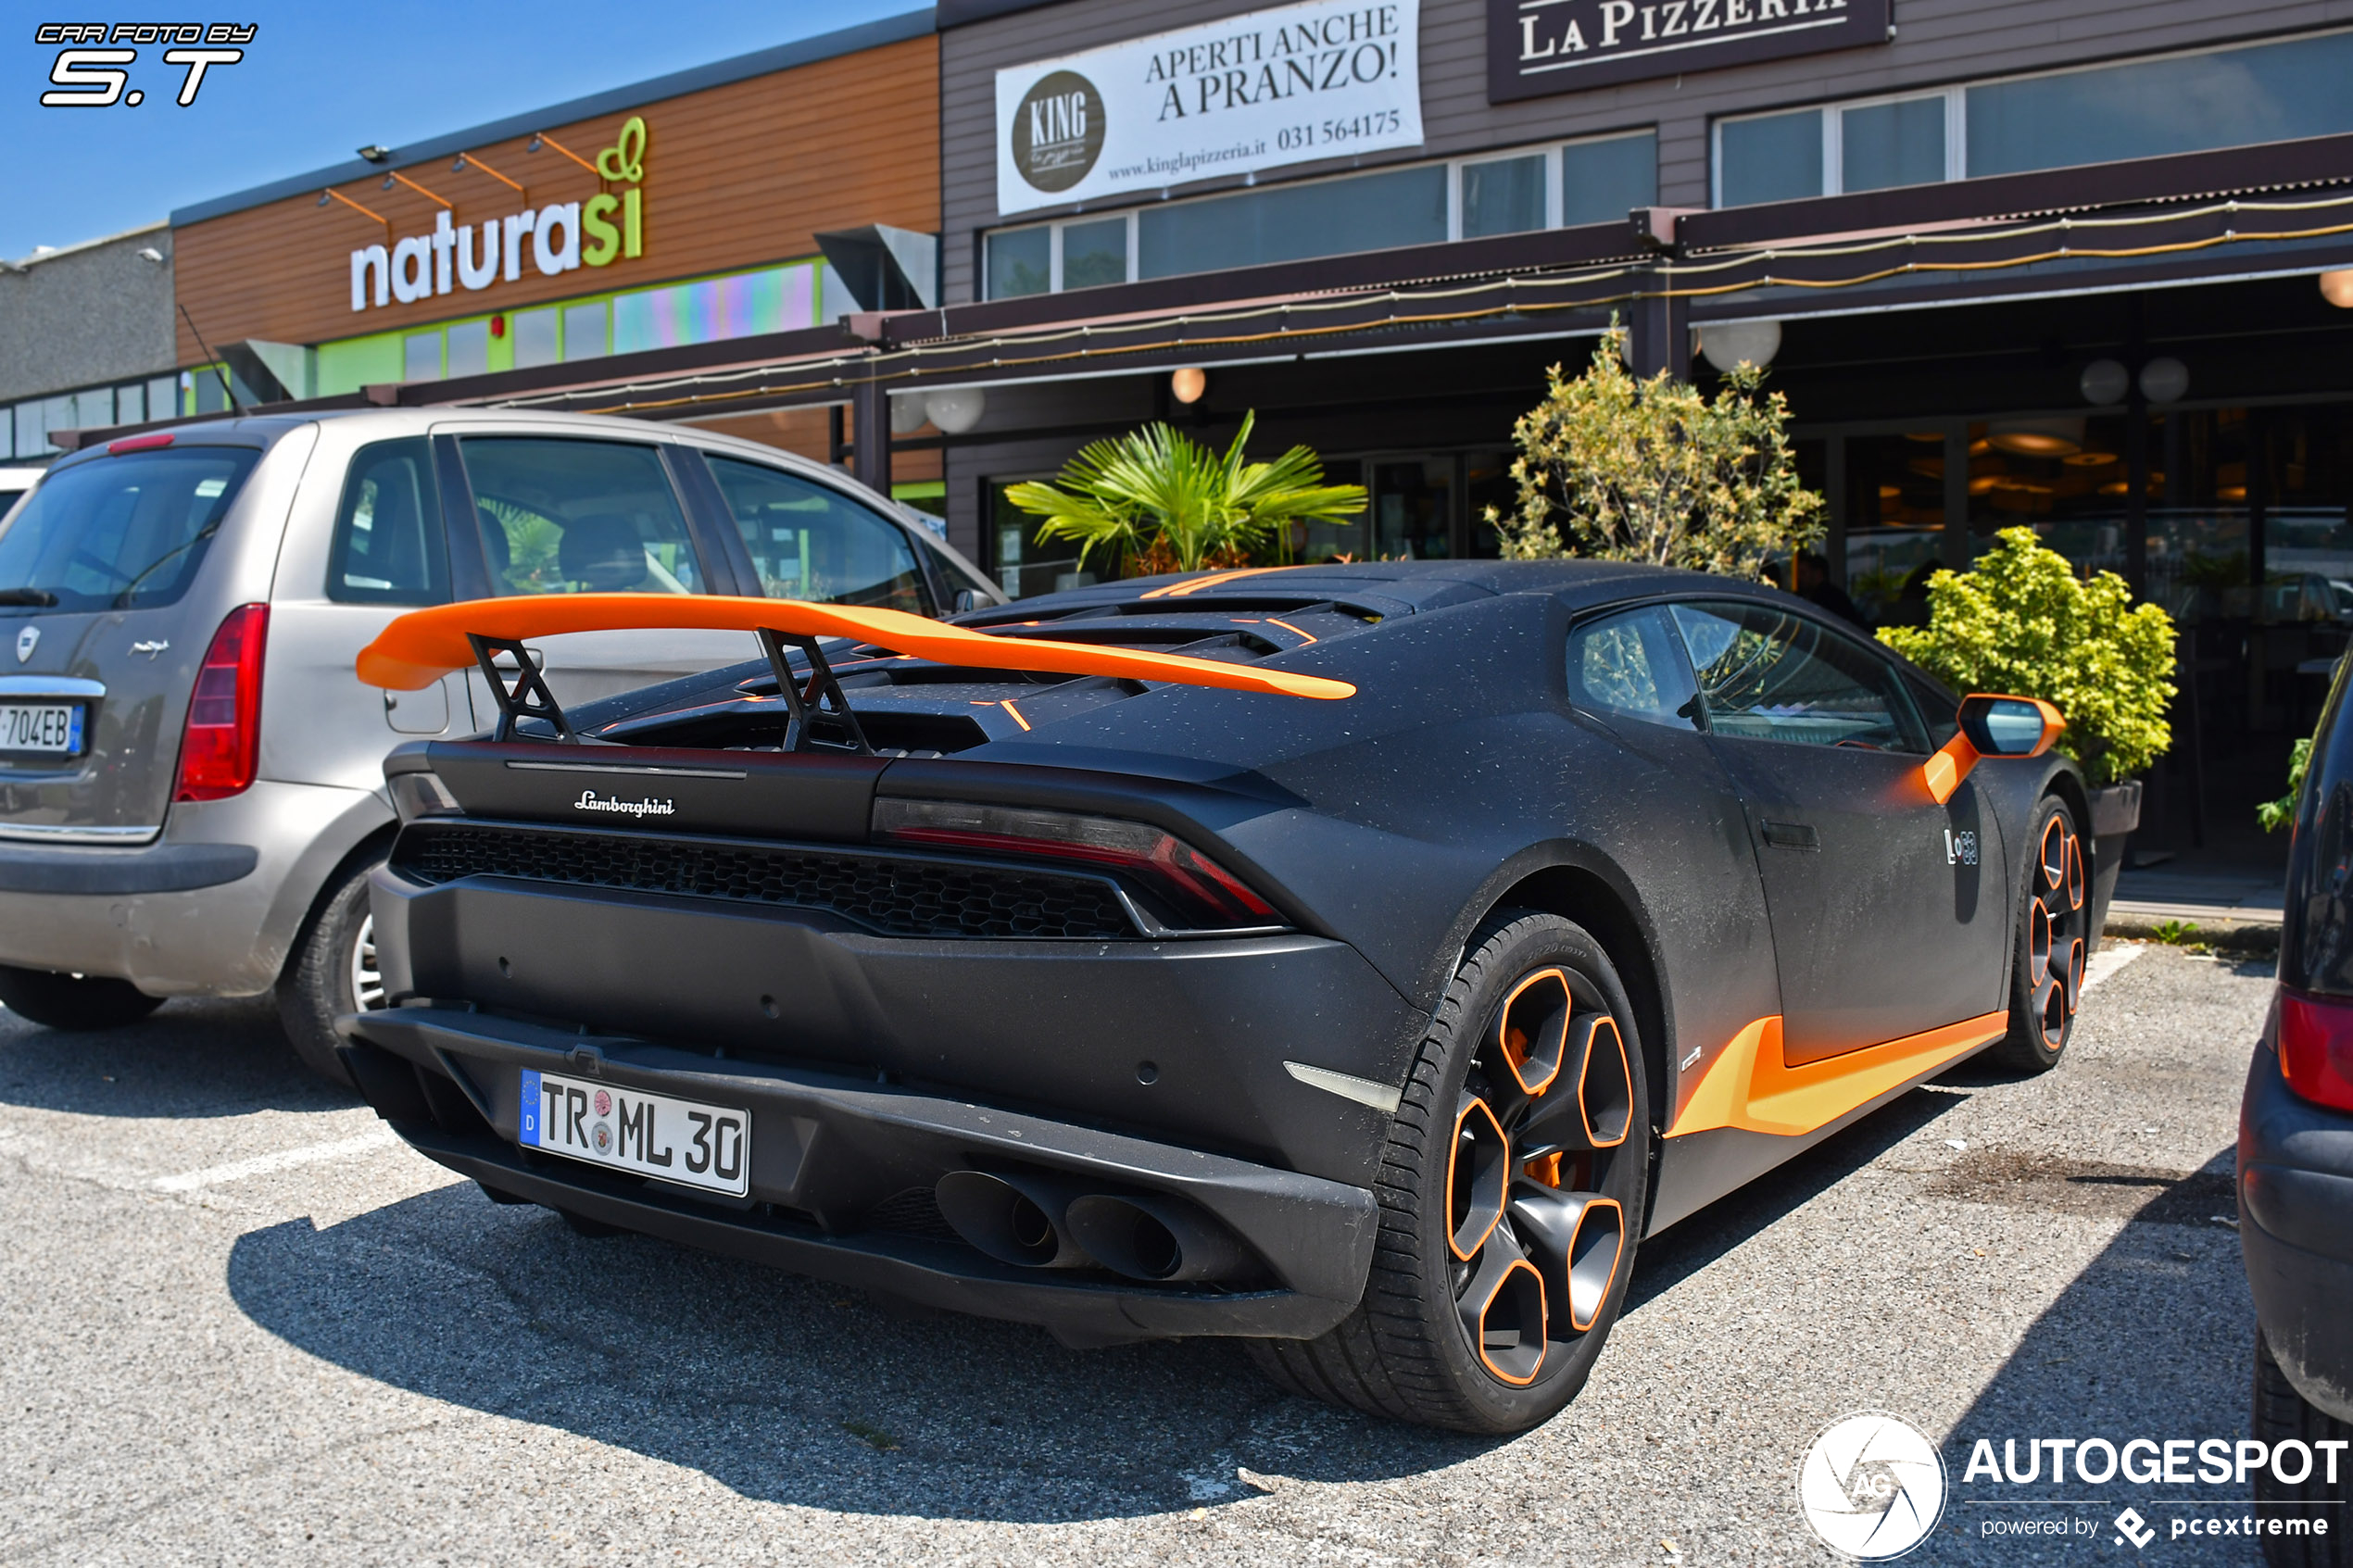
[85, 340]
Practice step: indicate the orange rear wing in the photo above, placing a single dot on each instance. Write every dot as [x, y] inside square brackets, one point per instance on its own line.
[424, 645]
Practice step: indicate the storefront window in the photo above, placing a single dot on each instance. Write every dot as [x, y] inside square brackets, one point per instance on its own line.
[1021, 262]
[2228, 97]
[1772, 158]
[535, 333]
[1021, 565]
[1895, 518]
[1898, 144]
[468, 349]
[1505, 197]
[1403, 206]
[1604, 180]
[585, 330]
[1094, 254]
[1414, 508]
[2186, 102]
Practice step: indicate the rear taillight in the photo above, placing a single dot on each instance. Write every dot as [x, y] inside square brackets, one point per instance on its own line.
[223, 743]
[1197, 891]
[2316, 1047]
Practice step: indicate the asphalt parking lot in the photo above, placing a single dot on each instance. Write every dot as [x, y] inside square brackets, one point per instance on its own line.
[240, 1325]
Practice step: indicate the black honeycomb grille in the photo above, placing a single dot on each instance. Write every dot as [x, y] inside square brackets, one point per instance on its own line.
[897, 898]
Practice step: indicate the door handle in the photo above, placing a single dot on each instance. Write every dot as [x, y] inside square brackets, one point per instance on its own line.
[1793, 836]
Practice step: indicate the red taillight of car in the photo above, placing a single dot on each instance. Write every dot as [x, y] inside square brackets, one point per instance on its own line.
[223, 744]
[2316, 1047]
[1197, 889]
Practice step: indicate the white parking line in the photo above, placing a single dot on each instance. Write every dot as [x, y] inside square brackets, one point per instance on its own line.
[2107, 961]
[285, 1159]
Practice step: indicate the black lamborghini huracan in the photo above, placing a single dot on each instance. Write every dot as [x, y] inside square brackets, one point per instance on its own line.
[1355, 960]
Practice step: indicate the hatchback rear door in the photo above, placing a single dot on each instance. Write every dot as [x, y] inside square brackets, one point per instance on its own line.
[113, 575]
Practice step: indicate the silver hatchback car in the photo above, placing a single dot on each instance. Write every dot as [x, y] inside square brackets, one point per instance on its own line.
[191, 788]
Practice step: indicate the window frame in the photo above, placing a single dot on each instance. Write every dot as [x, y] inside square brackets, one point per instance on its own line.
[1554, 202]
[1955, 95]
[336, 589]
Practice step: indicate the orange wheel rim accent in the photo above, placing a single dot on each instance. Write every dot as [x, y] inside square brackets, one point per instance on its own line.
[2074, 872]
[1520, 1290]
[1531, 1029]
[1480, 1190]
[2075, 960]
[1594, 1252]
[2054, 853]
[1604, 1084]
[2038, 942]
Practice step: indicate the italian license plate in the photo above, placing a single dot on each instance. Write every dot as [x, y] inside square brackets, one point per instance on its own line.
[41, 726]
[676, 1140]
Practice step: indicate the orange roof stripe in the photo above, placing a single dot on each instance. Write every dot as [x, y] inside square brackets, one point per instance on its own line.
[424, 645]
[1215, 579]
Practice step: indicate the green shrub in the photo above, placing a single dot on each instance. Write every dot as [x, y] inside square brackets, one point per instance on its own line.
[1650, 470]
[2020, 623]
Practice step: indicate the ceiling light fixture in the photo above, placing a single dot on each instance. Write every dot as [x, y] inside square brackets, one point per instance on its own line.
[2037, 438]
[1188, 383]
[2337, 288]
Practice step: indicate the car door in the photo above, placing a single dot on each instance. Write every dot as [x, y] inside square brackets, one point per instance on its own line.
[1886, 907]
[562, 514]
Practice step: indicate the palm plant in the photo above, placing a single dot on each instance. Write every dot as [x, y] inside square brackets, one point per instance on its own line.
[1156, 494]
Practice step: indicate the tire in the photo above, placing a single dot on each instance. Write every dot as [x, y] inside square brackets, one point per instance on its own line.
[331, 970]
[73, 1001]
[2053, 941]
[1482, 1131]
[2281, 1414]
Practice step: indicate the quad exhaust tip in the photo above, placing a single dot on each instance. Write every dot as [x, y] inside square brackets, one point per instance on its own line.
[1037, 1221]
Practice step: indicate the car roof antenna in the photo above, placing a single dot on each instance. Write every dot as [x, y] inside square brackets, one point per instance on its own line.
[219, 365]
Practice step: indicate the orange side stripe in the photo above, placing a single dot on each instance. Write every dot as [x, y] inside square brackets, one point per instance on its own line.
[1748, 1085]
[1008, 706]
[423, 646]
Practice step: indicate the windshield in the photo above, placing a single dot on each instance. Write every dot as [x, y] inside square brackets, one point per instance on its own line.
[122, 533]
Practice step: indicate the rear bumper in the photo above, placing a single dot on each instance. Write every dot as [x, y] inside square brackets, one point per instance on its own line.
[211, 909]
[841, 1168]
[2295, 1230]
[1188, 1038]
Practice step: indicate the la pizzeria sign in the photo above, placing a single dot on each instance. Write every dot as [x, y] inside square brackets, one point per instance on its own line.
[554, 239]
[1535, 47]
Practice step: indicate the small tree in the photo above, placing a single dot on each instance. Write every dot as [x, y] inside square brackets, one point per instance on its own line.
[1650, 470]
[1158, 500]
[2020, 622]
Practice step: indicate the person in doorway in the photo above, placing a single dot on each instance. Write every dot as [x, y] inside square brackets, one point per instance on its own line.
[1813, 585]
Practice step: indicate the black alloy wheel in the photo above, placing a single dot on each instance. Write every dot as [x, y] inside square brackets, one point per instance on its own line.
[1512, 1192]
[2054, 943]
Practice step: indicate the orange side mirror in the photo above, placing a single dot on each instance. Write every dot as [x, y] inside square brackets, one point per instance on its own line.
[1990, 726]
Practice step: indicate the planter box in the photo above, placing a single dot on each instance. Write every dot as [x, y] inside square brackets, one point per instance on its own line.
[2116, 811]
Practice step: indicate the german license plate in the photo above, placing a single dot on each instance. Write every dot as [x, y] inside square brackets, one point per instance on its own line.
[41, 726]
[676, 1140]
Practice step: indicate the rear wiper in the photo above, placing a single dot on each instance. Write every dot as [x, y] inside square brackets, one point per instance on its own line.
[42, 597]
[122, 600]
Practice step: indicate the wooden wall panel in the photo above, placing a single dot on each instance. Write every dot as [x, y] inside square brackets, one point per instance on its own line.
[736, 175]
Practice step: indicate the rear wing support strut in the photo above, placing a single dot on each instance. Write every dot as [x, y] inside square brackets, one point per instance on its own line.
[807, 704]
[528, 697]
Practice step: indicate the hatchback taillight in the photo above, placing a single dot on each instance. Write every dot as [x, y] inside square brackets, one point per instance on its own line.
[222, 745]
[2316, 1047]
[1198, 891]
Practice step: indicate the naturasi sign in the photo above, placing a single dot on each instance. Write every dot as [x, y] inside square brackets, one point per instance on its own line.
[558, 237]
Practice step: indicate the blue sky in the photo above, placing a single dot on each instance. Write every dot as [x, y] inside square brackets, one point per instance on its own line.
[320, 80]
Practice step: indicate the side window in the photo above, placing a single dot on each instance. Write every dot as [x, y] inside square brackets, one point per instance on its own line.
[1940, 713]
[954, 576]
[1767, 674]
[810, 542]
[1631, 664]
[578, 517]
[389, 547]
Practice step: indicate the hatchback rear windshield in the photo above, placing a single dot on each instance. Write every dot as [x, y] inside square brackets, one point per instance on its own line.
[122, 533]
